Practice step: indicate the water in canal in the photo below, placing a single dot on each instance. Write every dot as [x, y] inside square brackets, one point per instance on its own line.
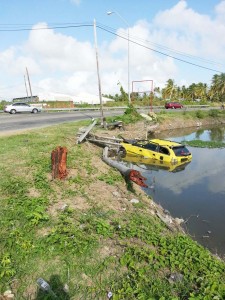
[196, 192]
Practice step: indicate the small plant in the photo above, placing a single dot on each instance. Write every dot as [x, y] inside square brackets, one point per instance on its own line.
[199, 114]
[111, 178]
[213, 113]
[205, 144]
[6, 269]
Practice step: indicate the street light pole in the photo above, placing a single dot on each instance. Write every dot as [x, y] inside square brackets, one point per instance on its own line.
[128, 50]
[99, 81]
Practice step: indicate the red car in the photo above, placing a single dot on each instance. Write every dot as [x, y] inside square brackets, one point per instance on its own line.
[173, 105]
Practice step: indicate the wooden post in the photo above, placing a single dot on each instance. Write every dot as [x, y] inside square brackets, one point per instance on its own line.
[59, 157]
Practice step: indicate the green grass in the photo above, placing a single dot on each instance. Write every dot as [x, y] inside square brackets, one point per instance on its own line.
[205, 144]
[93, 248]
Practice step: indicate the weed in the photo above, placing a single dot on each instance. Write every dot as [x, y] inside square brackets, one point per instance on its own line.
[205, 144]
[111, 178]
[94, 250]
[199, 114]
[214, 113]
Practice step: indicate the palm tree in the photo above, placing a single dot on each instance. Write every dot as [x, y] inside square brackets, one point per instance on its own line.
[217, 91]
[170, 88]
[222, 86]
[214, 90]
[201, 91]
[191, 92]
[183, 92]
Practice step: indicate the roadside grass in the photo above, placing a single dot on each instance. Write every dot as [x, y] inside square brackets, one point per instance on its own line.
[81, 238]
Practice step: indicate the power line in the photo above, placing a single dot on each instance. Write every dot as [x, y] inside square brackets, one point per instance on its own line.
[160, 52]
[167, 48]
[46, 28]
[113, 31]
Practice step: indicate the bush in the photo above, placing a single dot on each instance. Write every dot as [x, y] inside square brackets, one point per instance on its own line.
[213, 113]
[199, 114]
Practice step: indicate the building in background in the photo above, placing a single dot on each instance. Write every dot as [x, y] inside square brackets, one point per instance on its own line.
[26, 99]
[82, 98]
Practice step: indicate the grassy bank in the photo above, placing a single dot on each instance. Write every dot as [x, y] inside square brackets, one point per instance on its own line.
[84, 236]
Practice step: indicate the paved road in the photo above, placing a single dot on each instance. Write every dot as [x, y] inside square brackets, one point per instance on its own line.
[12, 123]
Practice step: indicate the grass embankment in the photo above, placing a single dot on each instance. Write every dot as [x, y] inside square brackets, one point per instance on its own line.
[84, 236]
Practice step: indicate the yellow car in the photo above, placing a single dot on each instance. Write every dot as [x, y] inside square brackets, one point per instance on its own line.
[159, 149]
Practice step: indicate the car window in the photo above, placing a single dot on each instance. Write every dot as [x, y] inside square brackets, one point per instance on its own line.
[181, 151]
[164, 150]
[152, 147]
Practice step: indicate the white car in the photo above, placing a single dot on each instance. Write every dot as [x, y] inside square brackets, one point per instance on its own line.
[18, 107]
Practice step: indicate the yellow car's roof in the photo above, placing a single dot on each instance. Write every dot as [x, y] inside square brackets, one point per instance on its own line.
[165, 143]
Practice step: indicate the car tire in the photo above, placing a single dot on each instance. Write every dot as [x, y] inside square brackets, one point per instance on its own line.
[34, 111]
[122, 152]
[12, 111]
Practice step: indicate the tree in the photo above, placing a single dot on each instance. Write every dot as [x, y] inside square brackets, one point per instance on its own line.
[217, 90]
[170, 89]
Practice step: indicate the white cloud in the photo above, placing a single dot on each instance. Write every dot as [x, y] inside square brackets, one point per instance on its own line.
[185, 30]
[59, 52]
[60, 62]
[220, 11]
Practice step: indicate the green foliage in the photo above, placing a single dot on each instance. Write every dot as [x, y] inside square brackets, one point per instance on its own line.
[149, 271]
[199, 114]
[214, 113]
[6, 266]
[130, 115]
[3, 103]
[205, 144]
[11, 185]
[111, 178]
[41, 181]
[69, 237]
[94, 250]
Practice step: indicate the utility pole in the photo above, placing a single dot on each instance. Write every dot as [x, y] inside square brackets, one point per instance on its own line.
[99, 81]
[31, 96]
[25, 85]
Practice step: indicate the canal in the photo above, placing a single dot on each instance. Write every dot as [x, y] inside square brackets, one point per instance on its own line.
[195, 192]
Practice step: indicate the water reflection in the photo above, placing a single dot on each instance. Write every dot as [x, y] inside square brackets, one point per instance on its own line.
[197, 192]
[153, 164]
[209, 133]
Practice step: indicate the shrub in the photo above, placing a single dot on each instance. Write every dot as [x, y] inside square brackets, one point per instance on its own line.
[199, 114]
[213, 113]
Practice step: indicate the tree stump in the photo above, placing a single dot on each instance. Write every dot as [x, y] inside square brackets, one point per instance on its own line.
[59, 158]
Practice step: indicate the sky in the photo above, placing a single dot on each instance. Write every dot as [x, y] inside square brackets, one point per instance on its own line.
[183, 40]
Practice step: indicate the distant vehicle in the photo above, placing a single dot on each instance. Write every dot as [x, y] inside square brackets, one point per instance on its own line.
[173, 105]
[20, 107]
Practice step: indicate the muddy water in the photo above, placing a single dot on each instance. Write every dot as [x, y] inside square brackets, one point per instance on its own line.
[195, 193]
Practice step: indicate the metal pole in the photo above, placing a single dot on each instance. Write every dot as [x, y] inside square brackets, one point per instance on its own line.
[99, 81]
[25, 85]
[31, 96]
[128, 61]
